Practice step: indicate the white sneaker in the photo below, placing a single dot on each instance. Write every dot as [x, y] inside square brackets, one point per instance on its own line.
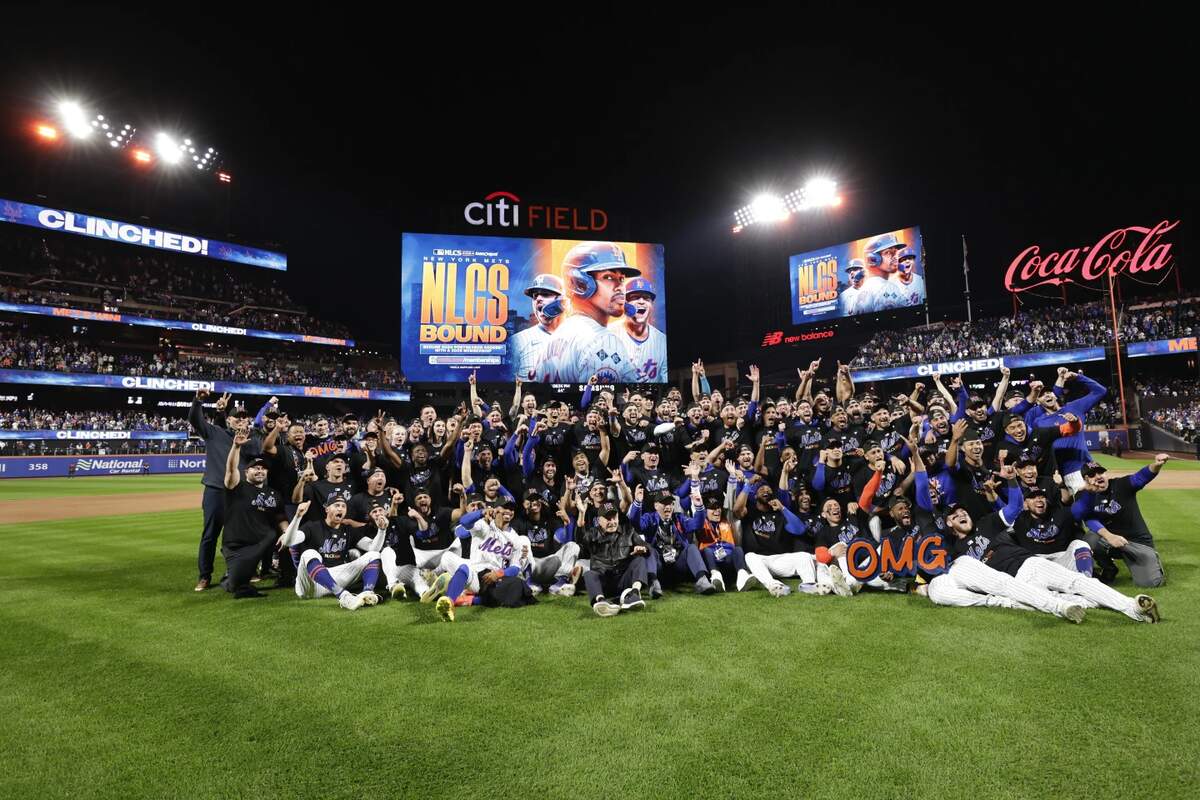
[745, 580]
[780, 589]
[718, 580]
[840, 587]
[350, 601]
[567, 590]
[399, 591]
[604, 608]
[535, 588]
[369, 598]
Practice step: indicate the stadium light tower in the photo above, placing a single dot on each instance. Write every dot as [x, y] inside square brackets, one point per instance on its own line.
[767, 208]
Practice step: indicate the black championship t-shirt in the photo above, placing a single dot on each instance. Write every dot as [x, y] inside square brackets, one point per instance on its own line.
[252, 513]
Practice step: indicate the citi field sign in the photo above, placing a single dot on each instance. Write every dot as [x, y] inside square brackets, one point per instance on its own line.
[1134, 249]
[505, 210]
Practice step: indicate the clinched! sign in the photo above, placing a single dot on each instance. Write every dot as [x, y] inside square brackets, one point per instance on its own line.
[1136, 249]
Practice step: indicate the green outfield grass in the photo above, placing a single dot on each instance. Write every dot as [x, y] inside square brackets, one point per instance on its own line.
[1111, 462]
[30, 488]
[119, 681]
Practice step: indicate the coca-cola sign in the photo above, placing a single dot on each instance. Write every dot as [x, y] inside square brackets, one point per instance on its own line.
[1133, 249]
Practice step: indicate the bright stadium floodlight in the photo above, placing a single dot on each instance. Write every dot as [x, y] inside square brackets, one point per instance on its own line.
[74, 120]
[47, 132]
[817, 193]
[168, 151]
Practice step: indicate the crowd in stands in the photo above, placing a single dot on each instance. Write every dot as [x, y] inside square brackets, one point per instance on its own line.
[38, 419]
[54, 447]
[70, 273]
[1029, 331]
[1181, 417]
[1167, 387]
[23, 349]
[1182, 420]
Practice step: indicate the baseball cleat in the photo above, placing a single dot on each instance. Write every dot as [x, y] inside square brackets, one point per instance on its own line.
[350, 601]
[437, 588]
[840, 587]
[704, 585]
[445, 608]
[556, 587]
[369, 598]
[398, 592]
[745, 580]
[718, 580]
[780, 589]
[1074, 613]
[534, 588]
[631, 600]
[603, 608]
[1149, 607]
[201, 584]
[655, 590]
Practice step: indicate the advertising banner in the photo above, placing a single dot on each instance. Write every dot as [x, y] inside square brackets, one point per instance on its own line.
[53, 219]
[979, 364]
[169, 324]
[83, 435]
[1162, 347]
[91, 466]
[150, 384]
[546, 310]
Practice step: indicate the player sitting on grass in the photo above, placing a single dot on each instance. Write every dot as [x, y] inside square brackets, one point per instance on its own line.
[320, 551]
[672, 553]
[769, 530]
[1116, 527]
[550, 542]
[498, 558]
[723, 558]
[618, 561]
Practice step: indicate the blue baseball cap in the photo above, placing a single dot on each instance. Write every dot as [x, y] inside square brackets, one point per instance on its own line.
[856, 264]
[545, 283]
[881, 243]
[640, 286]
[597, 257]
[907, 252]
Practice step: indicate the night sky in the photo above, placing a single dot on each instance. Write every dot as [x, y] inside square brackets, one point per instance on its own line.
[341, 134]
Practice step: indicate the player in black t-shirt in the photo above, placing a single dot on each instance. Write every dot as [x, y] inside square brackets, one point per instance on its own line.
[253, 519]
[768, 531]
[376, 496]
[1051, 533]
[321, 550]
[1116, 528]
[551, 546]
[334, 485]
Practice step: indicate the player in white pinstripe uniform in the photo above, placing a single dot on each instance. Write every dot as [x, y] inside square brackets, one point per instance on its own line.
[526, 346]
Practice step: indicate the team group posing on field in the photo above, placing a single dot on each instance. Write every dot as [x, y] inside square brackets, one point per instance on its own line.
[631, 494]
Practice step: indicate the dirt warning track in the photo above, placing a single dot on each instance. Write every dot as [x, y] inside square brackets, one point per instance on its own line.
[103, 505]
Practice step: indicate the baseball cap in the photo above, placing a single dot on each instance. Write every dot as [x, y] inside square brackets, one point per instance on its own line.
[663, 496]
[544, 282]
[713, 501]
[370, 435]
[420, 492]
[608, 510]
[1033, 491]
[835, 443]
[640, 286]
[1091, 469]
[856, 264]
[1026, 459]
[257, 461]
[350, 418]
[977, 402]
[334, 498]
[533, 494]
[898, 500]
[335, 457]
[597, 257]
[650, 447]
[907, 252]
[241, 413]
[971, 434]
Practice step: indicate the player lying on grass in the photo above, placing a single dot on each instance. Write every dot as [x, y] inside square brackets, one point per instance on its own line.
[498, 559]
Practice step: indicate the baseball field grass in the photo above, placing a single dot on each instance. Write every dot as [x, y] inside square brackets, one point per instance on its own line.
[119, 681]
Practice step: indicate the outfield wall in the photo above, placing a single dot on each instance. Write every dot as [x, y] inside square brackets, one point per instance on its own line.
[85, 466]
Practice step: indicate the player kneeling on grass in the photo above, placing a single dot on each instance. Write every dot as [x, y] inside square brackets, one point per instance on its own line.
[320, 550]
[1116, 528]
[718, 546]
[253, 514]
[498, 559]
[618, 561]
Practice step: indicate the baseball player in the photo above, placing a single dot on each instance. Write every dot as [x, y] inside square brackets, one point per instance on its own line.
[618, 560]
[855, 274]
[252, 510]
[1052, 534]
[912, 285]
[525, 350]
[647, 345]
[768, 528]
[1116, 528]
[498, 557]
[551, 547]
[320, 550]
[583, 345]
[879, 292]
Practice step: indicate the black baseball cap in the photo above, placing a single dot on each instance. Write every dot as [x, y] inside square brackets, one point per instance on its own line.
[1026, 459]
[258, 461]
[953, 508]
[972, 434]
[977, 402]
[650, 447]
[664, 496]
[533, 494]
[336, 457]
[608, 510]
[420, 492]
[835, 443]
[370, 435]
[713, 501]
[1033, 491]
[334, 498]
[241, 413]
[271, 415]
[350, 418]
[898, 500]
[1092, 469]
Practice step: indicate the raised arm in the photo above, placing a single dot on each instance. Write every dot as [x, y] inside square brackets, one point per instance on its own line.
[232, 473]
[1001, 389]
[844, 386]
